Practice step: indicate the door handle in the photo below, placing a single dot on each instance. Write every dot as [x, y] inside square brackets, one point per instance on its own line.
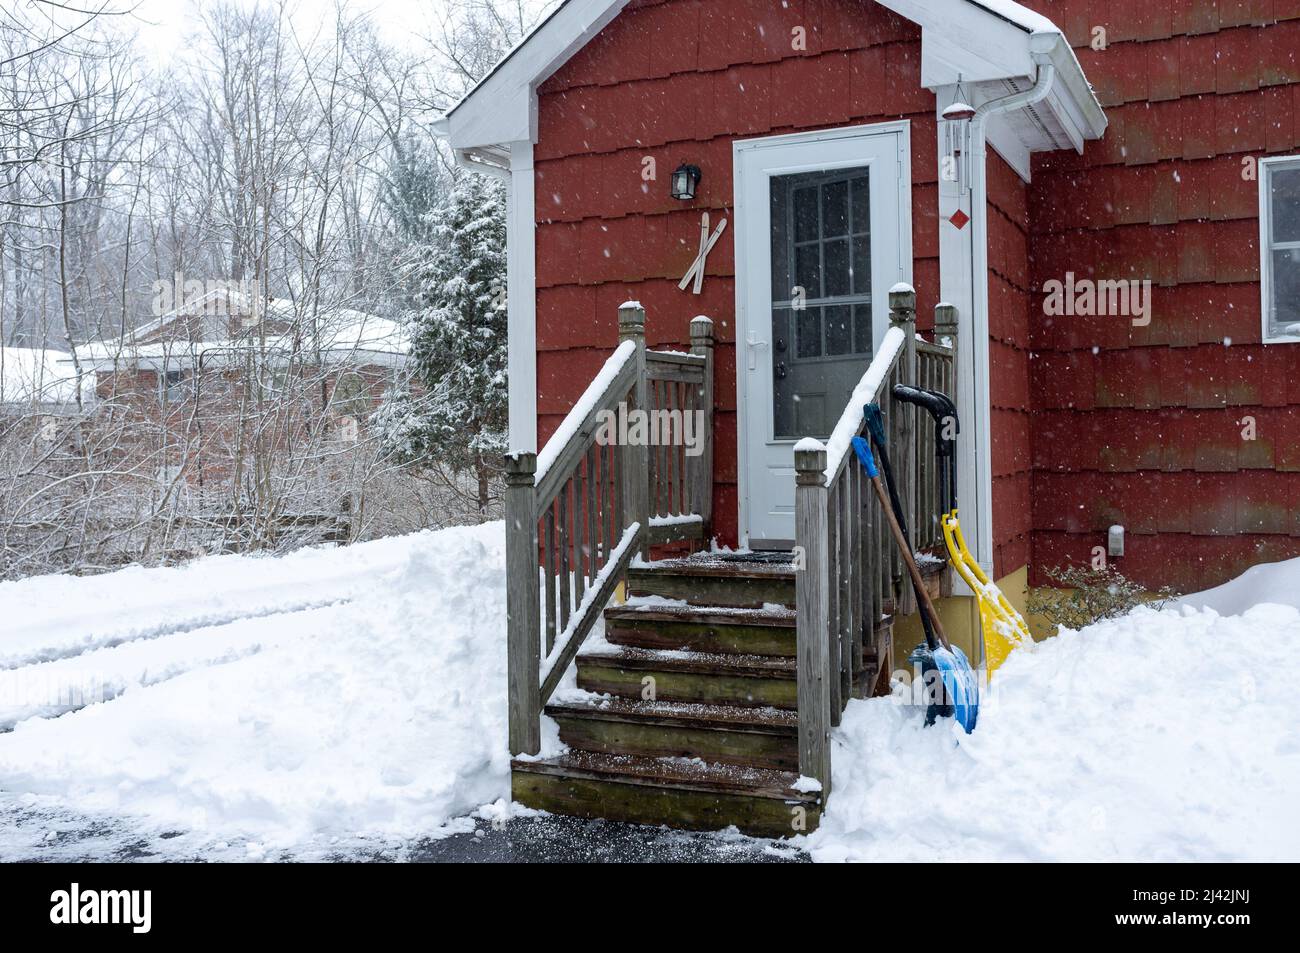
[753, 343]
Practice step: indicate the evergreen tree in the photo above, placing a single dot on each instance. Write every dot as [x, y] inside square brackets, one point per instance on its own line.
[458, 342]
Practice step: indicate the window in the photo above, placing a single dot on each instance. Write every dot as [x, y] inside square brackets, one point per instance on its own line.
[175, 389]
[1279, 226]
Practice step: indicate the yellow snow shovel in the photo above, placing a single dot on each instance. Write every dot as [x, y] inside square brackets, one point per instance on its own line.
[1003, 627]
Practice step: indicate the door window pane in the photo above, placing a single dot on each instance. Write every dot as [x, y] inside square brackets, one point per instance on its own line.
[839, 329]
[835, 209]
[805, 215]
[835, 268]
[862, 329]
[808, 268]
[808, 332]
[862, 264]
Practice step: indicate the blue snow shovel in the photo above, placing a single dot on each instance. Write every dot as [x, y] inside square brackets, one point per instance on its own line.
[960, 689]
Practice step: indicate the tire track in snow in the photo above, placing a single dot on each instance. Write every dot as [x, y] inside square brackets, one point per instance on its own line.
[113, 638]
[48, 689]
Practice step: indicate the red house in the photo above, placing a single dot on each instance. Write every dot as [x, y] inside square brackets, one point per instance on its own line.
[1107, 191]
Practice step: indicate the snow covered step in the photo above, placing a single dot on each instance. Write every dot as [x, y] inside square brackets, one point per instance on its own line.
[715, 630]
[685, 793]
[744, 680]
[710, 579]
[724, 734]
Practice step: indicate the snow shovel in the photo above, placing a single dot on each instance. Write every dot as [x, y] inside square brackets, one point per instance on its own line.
[959, 687]
[1002, 626]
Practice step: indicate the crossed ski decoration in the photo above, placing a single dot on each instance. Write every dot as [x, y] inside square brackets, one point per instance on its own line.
[707, 242]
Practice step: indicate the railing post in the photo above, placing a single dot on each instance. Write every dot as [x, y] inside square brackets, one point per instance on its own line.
[812, 585]
[702, 478]
[945, 325]
[523, 653]
[902, 314]
[945, 331]
[636, 458]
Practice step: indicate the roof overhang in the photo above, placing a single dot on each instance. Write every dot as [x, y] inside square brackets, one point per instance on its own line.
[992, 46]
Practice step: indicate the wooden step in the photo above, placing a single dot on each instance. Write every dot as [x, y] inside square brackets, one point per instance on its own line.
[745, 680]
[697, 629]
[707, 580]
[723, 734]
[687, 794]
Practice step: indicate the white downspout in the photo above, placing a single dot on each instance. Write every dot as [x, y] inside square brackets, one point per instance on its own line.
[1040, 51]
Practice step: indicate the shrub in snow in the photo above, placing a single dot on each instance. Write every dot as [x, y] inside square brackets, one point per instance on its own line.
[1087, 595]
[458, 343]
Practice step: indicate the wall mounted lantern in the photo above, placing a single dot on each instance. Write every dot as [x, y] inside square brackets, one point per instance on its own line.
[685, 179]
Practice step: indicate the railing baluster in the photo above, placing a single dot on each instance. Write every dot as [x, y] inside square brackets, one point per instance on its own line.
[833, 602]
[548, 572]
[853, 608]
[614, 524]
[575, 541]
[670, 448]
[592, 540]
[566, 581]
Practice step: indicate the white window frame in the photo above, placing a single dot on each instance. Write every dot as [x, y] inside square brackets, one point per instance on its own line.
[1266, 169]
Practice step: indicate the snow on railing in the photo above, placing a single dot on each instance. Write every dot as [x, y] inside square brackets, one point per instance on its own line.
[591, 398]
[866, 391]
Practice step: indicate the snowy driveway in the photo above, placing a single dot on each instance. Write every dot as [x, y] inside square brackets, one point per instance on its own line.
[332, 696]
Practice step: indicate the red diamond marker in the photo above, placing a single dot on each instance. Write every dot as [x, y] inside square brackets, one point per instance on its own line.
[959, 218]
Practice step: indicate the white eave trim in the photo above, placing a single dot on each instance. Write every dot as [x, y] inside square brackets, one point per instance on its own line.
[503, 106]
[971, 40]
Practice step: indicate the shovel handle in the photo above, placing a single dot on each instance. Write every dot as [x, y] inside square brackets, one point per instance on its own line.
[922, 593]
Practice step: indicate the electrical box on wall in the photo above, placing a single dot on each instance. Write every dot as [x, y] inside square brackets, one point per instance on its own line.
[1115, 540]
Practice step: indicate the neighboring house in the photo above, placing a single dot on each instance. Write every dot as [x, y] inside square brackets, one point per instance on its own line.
[1016, 164]
[225, 375]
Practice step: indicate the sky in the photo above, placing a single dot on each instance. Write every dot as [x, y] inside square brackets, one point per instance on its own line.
[164, 24]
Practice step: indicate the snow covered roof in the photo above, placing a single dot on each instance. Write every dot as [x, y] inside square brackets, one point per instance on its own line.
[37, 378]
[342, 335]
[979, 42]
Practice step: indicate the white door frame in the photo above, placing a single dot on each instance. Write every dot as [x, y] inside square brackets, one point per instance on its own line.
[902, 130]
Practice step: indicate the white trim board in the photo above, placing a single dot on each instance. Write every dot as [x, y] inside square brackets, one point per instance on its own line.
[1265, 259]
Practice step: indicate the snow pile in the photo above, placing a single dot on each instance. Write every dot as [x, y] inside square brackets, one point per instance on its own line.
[383, 715]
[1277, 583]
[1167, 735]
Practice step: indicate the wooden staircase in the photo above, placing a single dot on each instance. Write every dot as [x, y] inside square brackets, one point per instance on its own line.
[696, 725]
[712, 698]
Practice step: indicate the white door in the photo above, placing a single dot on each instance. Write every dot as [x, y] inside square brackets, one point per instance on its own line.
[824, 231]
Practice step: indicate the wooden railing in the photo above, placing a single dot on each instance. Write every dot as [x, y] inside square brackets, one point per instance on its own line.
[679, 388]
[580, 511]
[848, 570]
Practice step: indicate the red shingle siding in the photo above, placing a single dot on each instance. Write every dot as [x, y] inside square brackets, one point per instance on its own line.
[679, 80]
[1142, 425]
[1009, 380]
